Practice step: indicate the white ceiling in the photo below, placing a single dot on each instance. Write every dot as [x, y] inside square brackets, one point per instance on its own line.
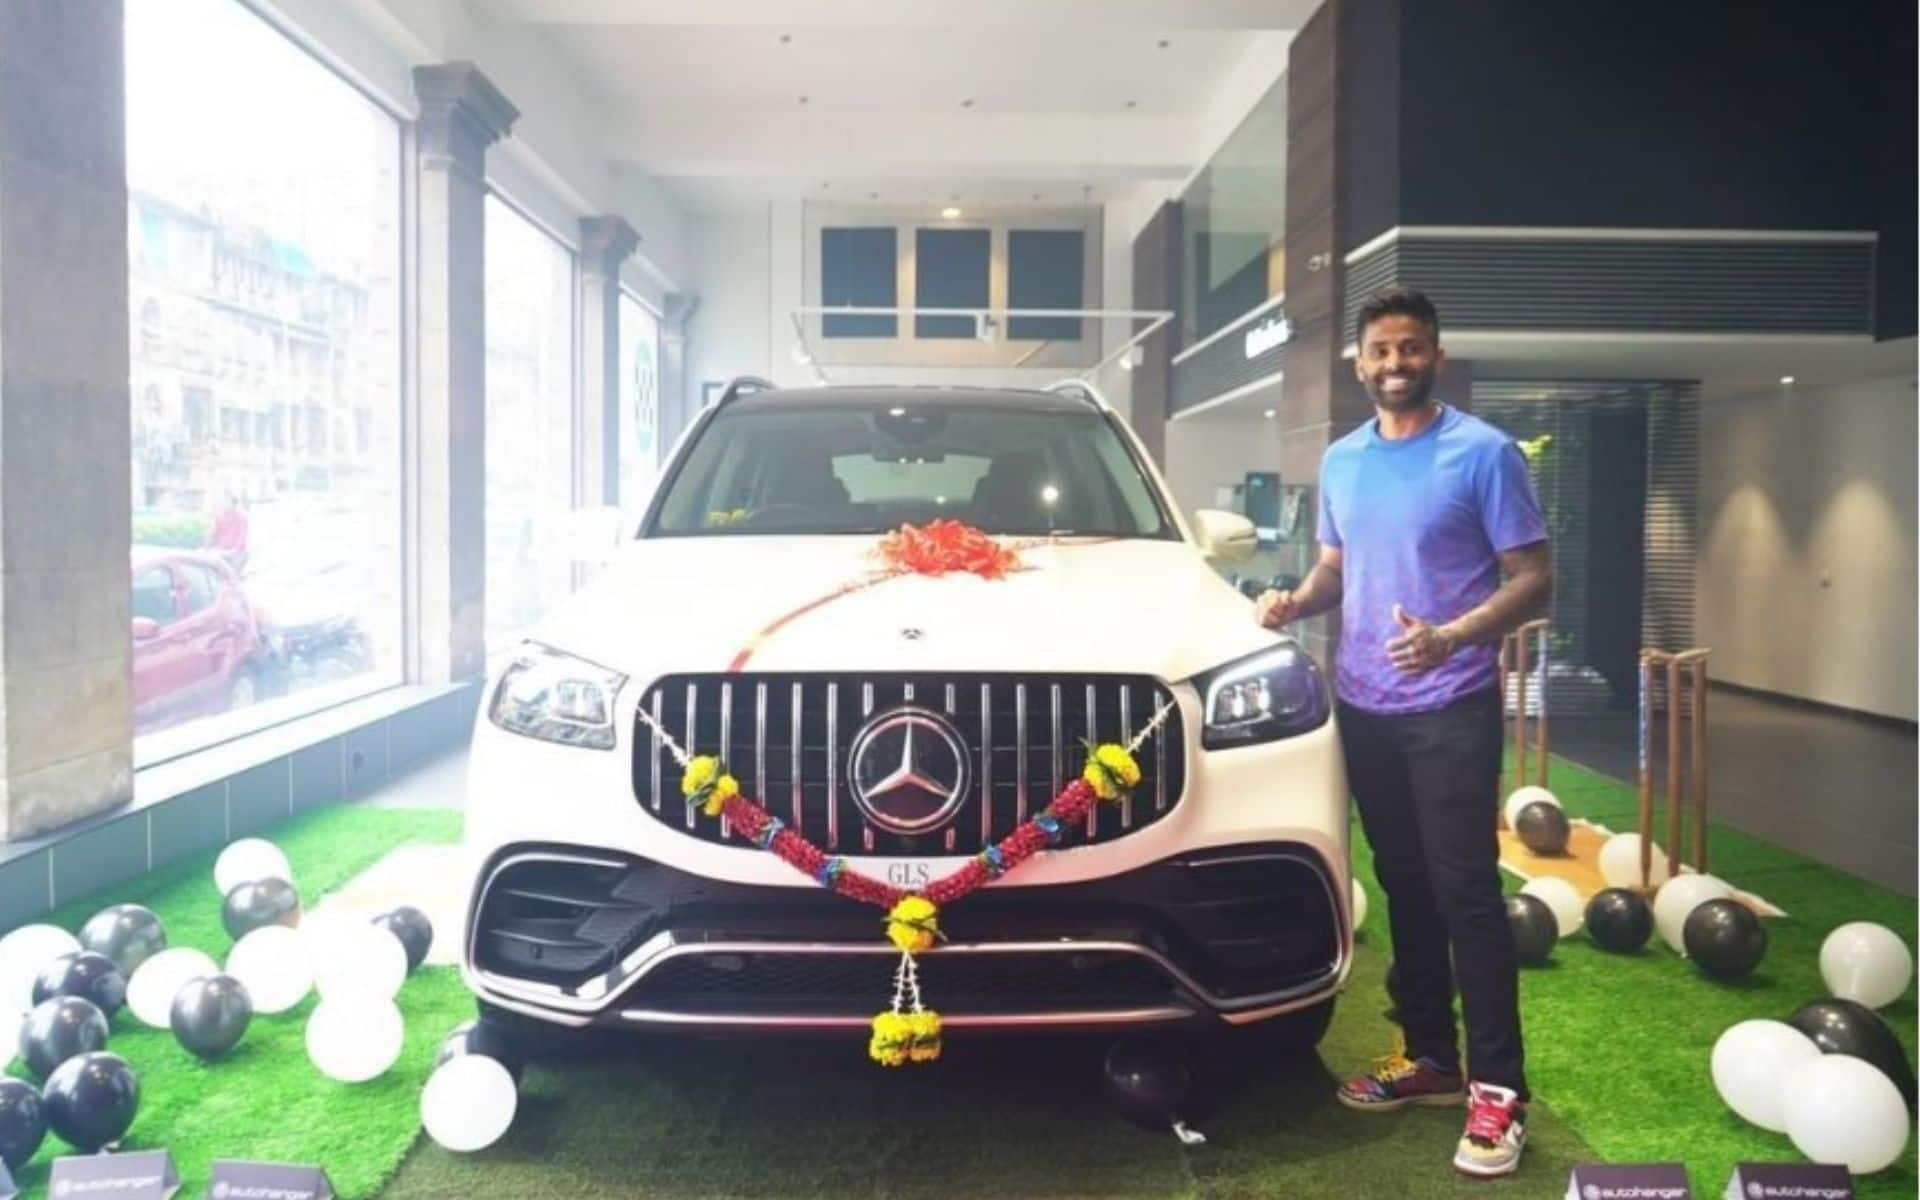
[734, 102]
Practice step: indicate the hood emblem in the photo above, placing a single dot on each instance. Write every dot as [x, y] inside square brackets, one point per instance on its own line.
[909, 770]
[912, 634]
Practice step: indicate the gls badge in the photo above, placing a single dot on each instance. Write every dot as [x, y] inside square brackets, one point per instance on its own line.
[909, 874]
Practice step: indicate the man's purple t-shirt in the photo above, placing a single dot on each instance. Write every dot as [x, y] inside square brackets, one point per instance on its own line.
[1420, 522]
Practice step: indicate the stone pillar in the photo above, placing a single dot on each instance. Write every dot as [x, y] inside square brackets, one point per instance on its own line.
[676, 405]
[66, 718]
[605, 243]
[461, 114]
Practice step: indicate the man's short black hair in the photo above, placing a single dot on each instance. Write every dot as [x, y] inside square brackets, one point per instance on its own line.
[1400, 302]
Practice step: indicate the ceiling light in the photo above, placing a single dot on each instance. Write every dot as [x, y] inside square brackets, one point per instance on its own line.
[1133, 104]
[896, 411]
[967, 103]
[1786, 379]
[804, 99]
[786, 39]
[1269, 414]
[1164, 43]
[950, 213]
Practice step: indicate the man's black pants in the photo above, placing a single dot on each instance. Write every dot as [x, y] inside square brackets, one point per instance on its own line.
[1428, 787]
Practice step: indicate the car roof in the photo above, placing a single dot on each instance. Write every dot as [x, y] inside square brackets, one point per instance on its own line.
[885, 395]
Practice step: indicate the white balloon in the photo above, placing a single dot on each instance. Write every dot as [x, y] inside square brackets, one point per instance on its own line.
[355, 1038]
[1752, 1063]
[1677, 899]
[1569, 910]
[272, 962]
[1866, 963]
[1359, 905]
[356, 958]
[22, 954]
[158, 980]
[1620, 862]
[468, 1103]
[1841, 1109]
[1531, 794]
[247, 860]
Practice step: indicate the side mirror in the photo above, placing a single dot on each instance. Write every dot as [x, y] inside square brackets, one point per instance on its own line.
[1224, 537]
[145, 629]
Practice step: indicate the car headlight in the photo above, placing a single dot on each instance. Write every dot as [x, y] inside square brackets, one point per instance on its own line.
[1277, 693]
[557, 698]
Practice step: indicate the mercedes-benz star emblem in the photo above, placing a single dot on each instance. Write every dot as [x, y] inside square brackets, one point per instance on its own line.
[909, 769]
[912, 634]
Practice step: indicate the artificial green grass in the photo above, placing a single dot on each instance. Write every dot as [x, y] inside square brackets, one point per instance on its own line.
[1619, 1045]
[265, 1100]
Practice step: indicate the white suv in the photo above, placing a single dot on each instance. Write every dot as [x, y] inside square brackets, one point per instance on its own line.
[907, 726]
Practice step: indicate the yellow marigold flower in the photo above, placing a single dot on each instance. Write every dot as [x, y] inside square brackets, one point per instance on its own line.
[1111, 771]
[700, 774]
[724, 788]
[924, 1030]
[913, 924]
[892, 1039]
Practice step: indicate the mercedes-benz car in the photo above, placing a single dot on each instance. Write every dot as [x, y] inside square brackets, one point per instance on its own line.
[906, 725]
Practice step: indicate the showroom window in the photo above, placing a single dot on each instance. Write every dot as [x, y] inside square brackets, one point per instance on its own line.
[639, 430]
[264, 258]
[1043, 271]
[530, 422]
[858, 270]
[950, 270]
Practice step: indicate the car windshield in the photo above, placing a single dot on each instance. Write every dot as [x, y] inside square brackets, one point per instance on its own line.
[786, 465]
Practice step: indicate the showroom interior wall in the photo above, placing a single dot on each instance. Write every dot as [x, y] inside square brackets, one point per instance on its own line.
[1806, 584]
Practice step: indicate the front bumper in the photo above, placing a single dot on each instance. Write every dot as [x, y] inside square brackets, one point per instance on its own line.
[1229, 935]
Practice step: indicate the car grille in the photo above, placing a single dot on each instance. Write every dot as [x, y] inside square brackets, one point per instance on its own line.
[787, 738]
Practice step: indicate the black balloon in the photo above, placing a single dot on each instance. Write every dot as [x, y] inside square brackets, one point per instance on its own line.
[23, 1122]
[1535, 929]
[87, 975]
[257, 904]
[1619, 920]
[1145, 1082]
[126, 933]
[488, 1040]
[91, 1100]
[1724, 938]
[59, 1029]
[210, 1014]
[1845, 1027]
[413, 929]
[1543, 828]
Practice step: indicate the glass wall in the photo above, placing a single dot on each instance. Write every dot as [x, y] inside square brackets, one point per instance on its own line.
[264, 252]
[530, 425]
[1235, 214]
[639, 426]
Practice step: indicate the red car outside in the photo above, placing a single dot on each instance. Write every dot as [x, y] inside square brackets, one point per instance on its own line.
[196, 642]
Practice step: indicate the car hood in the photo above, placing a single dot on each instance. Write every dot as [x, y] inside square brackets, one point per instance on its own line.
[765, 603]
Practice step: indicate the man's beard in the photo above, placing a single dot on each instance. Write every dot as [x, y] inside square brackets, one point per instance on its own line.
[1419, 390]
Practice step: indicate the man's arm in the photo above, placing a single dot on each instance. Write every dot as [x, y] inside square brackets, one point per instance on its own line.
[1320, 593]
[1521, 597]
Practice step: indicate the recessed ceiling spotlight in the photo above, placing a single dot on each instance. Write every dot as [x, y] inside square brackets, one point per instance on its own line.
[804, 99]
[786, 39]
[950, 213]
[873, 195]
[1269, 414]
[967, 103]
[1036, 195]
[1786, 379]
[1164, 43]
[1133, 104]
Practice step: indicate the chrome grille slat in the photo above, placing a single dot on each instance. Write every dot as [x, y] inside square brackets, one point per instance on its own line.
[1002, 720]
[726, 739]
[1093, 738]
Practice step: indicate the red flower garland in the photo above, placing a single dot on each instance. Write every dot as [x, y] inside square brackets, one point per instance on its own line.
[1068, 809]
[946, 545]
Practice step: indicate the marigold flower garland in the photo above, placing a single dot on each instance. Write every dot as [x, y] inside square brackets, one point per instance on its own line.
[909, 1031]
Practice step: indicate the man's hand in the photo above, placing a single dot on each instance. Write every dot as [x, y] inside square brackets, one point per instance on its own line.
[1276, 610]
[1420, 647]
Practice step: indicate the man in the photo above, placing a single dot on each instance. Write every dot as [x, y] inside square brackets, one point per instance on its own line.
[1423, 511]
[229, 536]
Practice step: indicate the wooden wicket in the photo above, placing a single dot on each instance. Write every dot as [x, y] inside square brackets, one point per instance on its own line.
[1514, 655]
[1686, 674]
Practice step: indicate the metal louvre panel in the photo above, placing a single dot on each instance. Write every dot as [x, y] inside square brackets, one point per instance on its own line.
[1022, 733]
[1719, 285]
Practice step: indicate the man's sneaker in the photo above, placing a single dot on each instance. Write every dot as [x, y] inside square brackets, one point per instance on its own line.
[1397, 1081]
[1496, 1132]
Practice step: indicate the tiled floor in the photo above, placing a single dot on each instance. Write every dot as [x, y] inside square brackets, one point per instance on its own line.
[1840, 789]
